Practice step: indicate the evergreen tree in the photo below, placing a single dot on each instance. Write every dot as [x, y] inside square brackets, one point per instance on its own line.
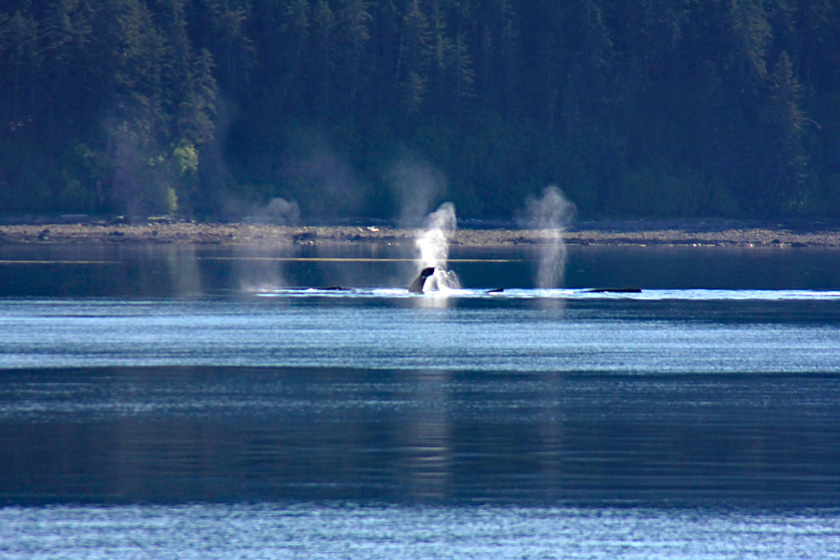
[749, 35]
[295, 31]
[785, 155]
[354, 25]
[509, 52]
[323, 53]
[21, 66]
[147, 105]
[413, 54]
[232, 48]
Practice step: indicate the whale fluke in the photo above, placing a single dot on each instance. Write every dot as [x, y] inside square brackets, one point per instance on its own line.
[417, 286]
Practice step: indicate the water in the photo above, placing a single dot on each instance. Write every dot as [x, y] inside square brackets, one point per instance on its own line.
[312, 531]
[785, 333]
[223, 403]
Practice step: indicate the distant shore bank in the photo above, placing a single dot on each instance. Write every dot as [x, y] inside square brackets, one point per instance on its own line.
[608, 233]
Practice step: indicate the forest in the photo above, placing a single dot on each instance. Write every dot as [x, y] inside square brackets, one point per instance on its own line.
[380, 109]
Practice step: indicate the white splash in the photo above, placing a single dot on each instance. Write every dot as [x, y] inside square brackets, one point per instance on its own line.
[551, 213]
[433, 248]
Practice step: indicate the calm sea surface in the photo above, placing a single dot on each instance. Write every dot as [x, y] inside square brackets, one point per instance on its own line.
[288, 402]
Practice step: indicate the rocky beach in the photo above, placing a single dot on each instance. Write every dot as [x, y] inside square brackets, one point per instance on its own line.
[604, 232]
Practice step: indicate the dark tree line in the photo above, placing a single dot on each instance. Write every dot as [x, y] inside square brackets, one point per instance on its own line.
[214, 107]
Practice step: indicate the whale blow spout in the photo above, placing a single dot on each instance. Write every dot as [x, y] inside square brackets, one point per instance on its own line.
[417, 286]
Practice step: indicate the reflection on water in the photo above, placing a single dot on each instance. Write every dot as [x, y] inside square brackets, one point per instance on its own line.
[171, 435]
[424, 433]
[115, 270]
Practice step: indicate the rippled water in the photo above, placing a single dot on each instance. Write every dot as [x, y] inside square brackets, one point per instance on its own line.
[170, 401]
[665, 331]
[349, 531]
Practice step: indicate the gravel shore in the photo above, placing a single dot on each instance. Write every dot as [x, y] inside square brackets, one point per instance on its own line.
[613, 233]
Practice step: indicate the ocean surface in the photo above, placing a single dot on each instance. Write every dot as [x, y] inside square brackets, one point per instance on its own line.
[297, 402]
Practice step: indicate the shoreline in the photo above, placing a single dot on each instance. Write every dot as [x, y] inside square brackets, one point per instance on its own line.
[606, 233]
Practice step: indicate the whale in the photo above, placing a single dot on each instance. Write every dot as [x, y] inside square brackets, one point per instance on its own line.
[417, 286]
